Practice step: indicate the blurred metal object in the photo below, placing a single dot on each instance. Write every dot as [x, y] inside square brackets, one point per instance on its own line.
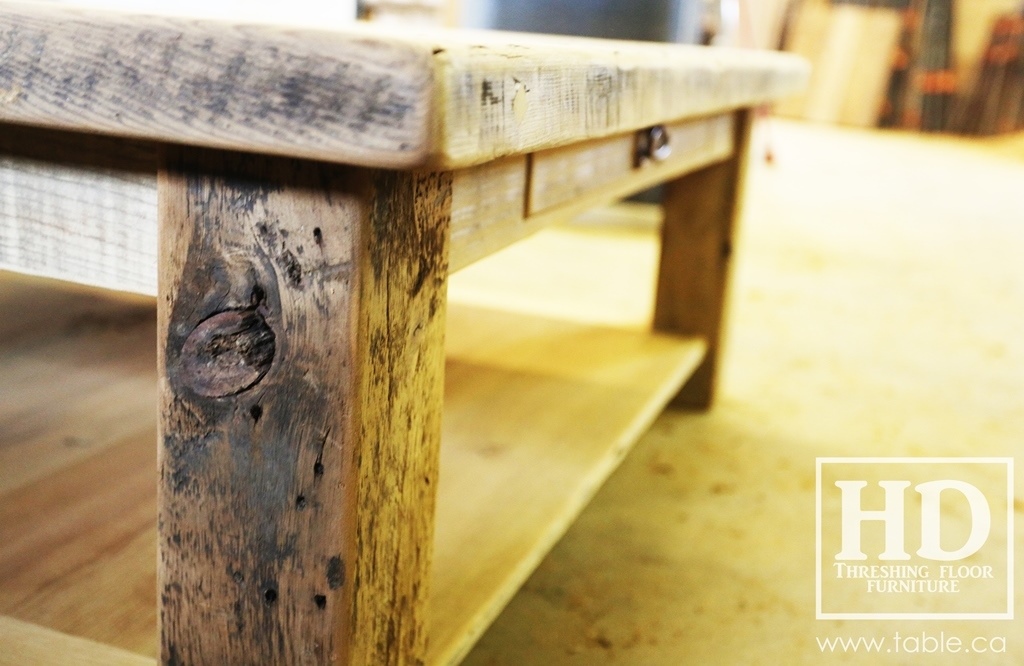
[652, 145]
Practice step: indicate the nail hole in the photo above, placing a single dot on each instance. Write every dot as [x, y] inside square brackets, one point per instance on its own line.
[318, 235]
[321, 601]
[258, 295]
[238, 577]
[318, 469]
[300, 502]
[270, 595]
[255, 412]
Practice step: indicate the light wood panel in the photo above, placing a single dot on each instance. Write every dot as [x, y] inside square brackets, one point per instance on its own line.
[24, 644]
[806, 38]
[868, 78]
[363, 94]
[77, 207]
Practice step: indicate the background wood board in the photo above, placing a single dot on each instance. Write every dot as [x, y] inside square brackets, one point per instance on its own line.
[973, 29]
[363, 94]
[806, 38]
[78, 506]
[851, 50]
[865, 91]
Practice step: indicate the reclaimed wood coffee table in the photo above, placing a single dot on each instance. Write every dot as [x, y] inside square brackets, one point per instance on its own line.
[312, 191]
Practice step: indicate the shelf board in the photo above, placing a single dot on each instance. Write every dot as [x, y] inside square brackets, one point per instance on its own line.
[538, 413]
[539, 410]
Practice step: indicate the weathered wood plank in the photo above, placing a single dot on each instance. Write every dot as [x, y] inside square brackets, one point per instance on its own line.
[83, 208]
[701, 212]
[488, 203]
[79, 208]
[359, 98]
[503, 93]
[563, 175]
[300, 349]
[362, 94]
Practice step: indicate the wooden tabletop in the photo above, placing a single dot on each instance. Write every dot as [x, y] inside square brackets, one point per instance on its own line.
[361, 94]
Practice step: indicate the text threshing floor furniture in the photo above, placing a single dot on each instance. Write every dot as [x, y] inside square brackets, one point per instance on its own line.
[296, 199]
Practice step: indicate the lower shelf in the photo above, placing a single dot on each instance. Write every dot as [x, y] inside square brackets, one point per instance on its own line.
[538, 412]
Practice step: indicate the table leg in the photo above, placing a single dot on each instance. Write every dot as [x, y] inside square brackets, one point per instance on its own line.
[701, 210]
[301, 323]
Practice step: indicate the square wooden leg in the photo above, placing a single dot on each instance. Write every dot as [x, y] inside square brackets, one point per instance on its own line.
[301, 323]
[701, 211]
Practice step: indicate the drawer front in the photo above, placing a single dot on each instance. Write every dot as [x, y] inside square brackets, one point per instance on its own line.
[566, 174]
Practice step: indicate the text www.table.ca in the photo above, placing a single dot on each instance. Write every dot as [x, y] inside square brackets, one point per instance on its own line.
[914, 643]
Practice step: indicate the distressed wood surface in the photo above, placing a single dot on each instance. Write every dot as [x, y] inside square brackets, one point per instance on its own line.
[25, 644]
[83, 208]
[488, 205]
[79, 208]
[301, 358]
[701, 213]
[358, 98]
[562, 175]
[362, 94]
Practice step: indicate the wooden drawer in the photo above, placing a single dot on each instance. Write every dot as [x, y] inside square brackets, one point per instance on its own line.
[566, 174]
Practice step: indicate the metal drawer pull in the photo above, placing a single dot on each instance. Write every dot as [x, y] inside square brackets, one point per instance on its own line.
[653, 144]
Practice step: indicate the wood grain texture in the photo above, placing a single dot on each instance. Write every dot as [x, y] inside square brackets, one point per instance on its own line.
[502, 93]
[298, 504]
[362, 99]
[488, 203]
[83, 208]
[79, 208]
[363, 94]
[27, 644]
[701, 212]
[563, 175]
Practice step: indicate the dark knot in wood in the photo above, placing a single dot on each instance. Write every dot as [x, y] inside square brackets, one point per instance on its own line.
[227, 353]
